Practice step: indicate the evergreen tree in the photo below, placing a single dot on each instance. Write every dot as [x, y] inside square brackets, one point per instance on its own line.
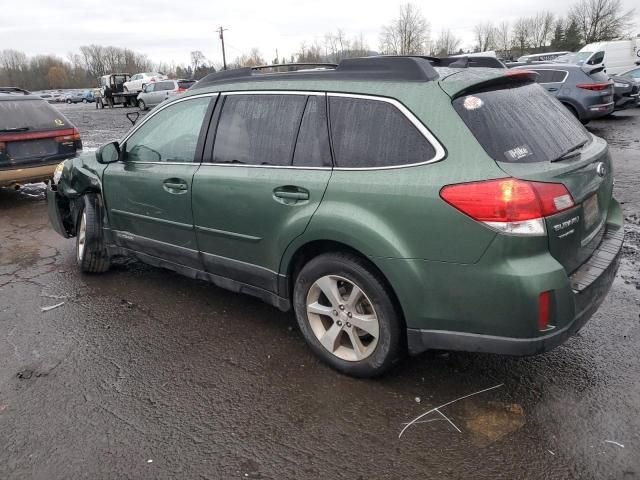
[558, 40]
[572, 40]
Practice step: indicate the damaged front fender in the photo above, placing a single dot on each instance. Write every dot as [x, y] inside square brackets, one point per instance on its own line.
[80, 175]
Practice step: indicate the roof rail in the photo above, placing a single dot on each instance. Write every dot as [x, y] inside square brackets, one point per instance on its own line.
[290, 65]
[378, 68]
[14, 90]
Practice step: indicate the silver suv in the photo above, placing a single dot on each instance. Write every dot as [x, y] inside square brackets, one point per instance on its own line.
[587, 94]
[155, 93]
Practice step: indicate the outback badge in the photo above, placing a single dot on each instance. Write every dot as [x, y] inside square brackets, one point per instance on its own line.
[601, 169]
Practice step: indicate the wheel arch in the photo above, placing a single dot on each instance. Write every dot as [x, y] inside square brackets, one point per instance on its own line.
[304, 252]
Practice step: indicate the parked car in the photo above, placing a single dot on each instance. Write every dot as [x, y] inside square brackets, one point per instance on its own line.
[34, 138]
[79, 97]
[615, 56]
[586, 95]
[445, 208]
[633, 75]
[156, 93]
[625, 92]
[139, 80]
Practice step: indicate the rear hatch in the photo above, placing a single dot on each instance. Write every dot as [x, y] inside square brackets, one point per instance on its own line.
[533, 137]
[33, 132]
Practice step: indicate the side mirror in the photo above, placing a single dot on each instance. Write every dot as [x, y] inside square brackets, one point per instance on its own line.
[133, 117]
[108, 153]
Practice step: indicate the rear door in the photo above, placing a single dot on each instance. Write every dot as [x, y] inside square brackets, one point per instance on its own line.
[551, 80]
[533, 137]
[261, 182]
[148, 193]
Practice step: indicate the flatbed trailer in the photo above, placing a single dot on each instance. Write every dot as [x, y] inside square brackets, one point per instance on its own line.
[126, 99]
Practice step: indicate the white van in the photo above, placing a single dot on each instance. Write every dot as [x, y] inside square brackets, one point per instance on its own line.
[616, 56]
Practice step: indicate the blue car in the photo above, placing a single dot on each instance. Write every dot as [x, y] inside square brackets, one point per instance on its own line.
[77, 97]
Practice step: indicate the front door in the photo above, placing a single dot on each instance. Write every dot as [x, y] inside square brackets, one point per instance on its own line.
[148, 192]
[260, 184]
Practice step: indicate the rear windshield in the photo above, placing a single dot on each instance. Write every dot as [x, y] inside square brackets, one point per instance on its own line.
[33, 114]
[185, 83]
[520, 124]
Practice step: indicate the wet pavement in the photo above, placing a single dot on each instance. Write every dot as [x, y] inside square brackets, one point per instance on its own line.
[141, 373]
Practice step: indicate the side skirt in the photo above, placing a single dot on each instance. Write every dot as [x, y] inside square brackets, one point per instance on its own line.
[283, 304]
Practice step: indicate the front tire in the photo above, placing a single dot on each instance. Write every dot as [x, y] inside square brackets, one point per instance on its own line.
[91, 252]
[141, 105]
[346, 313]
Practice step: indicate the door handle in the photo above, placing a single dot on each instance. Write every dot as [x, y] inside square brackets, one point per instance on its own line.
[552, 89]
[290, 194]
[175, 185]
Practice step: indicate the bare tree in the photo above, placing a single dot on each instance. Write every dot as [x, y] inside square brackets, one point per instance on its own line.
[406, 35]
[484, 35]
[502, 39]
[446, 44]
[252, 59]
[599, 20]
[520, 35]
[541, 29]
[197, 59]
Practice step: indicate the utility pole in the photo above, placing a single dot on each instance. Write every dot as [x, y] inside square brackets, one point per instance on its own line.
[224, 56]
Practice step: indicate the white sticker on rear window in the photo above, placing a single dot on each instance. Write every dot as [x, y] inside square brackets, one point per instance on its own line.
[472, 103]
[518, 153]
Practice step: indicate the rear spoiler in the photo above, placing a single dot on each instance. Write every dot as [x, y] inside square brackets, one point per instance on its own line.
[510, 78]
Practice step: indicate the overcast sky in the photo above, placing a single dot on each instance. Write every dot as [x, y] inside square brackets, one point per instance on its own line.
[167, 30]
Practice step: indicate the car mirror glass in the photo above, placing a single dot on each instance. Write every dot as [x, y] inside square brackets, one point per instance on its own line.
[108, 153]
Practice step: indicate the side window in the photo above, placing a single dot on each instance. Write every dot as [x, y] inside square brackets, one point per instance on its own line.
[371, 133]
[544, 76]
[149, 88]
[171, 135]
[559, 76]
[596, 59]
[258, 129]
[312, 147]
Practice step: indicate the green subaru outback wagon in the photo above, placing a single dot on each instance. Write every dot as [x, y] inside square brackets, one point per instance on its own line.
[393, 204]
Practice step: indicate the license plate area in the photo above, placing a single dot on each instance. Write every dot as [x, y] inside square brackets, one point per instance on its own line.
[591, 212]
[32, 148]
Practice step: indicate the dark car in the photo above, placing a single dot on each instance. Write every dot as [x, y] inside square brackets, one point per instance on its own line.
[34, 138]
[587, 94]
[625, 93]
[389, 203]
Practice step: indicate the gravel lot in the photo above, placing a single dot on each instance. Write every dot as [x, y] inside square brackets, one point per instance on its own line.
[142, 373]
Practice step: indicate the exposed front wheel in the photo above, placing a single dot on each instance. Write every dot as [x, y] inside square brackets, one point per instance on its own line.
[347, 315]
[84, 100]
[91, 252]
[141, 105]
[68, 102]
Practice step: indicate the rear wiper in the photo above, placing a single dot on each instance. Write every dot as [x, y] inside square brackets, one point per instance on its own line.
[15, 129]
[571, 152]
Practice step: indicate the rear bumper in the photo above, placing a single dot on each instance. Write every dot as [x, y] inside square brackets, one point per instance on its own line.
[590, 285]
[26, 175]
[600, 110]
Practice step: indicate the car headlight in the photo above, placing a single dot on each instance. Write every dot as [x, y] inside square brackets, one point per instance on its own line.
[57, 173]
[620, 85]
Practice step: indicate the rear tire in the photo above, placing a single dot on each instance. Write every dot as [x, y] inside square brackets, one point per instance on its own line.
[91, 252]
[356, 328]
[68, 102]
[84, 100]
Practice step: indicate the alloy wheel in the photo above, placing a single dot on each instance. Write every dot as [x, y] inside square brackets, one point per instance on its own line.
[342, 318]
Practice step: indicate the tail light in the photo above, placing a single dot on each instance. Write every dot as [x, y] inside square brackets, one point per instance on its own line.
[180, 90]
[75, 136]
[595, 87]
[544, 310]
[509, 205]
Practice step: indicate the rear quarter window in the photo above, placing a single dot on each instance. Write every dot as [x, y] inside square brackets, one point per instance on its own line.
[520, 124]
[370, 133]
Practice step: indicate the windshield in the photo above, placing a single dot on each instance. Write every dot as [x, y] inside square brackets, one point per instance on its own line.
[521, 124]
[33, 114]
